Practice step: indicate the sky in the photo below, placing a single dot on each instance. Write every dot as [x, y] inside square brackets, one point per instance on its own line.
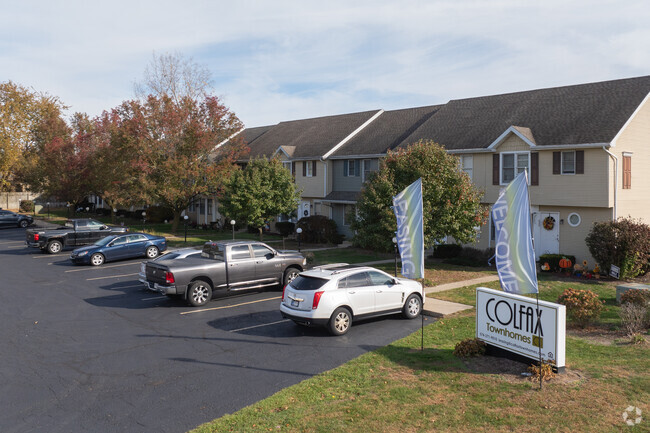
[279, 60]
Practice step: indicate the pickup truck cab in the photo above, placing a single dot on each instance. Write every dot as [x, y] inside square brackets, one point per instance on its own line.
[75, 232]
[224, 267]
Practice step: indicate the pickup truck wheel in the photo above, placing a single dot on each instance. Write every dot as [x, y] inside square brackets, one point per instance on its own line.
[289, 275]
[152, 252]
[97, 259]
[340, 321]
[54, 247]
[412, 307]
[23, 224]
[199, 293]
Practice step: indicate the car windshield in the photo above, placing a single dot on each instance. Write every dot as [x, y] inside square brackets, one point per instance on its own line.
[308, 283]
[104, 241]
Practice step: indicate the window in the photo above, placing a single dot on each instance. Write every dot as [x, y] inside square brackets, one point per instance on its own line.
[287, 165]
[627, 171]
[574, 219]
[367, 169]
[261, 251]
[240, 252]
[568, 162]
[512, 164]
[355, 280]
[352, 168]
[209, 205]
[467, 164]
[379, 279]
[309, 168]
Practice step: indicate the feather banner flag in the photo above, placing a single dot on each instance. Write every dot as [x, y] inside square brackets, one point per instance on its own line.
[515, 257]
[408, 209]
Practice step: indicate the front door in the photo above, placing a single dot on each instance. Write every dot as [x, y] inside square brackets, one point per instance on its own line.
[546, 230]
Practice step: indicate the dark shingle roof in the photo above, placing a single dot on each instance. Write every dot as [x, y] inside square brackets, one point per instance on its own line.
[311, 137]
[581, 114]
[386, 131]
[251, 134]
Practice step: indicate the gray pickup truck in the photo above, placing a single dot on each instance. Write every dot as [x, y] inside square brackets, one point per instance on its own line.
[224, 267]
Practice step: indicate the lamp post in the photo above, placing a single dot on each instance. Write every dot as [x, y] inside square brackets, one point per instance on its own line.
[232, 223]
[48, 210]
[185, 218]
[395, 247]
[298, 230]
[67, 205]
[144, 219]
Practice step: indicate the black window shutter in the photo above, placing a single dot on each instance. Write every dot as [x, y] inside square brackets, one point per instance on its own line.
[534, 168]
[557, 161]
[345, 168]
[293, 168]
[304, 169]
[580, 162]
[495, 169]
[314, 168]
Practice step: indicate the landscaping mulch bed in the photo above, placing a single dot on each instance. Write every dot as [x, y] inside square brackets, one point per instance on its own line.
[511, 371]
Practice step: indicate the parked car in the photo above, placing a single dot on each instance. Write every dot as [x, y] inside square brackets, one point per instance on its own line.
[117, 247]
[225, 267]
[13, 219]
[75, 232]
[171, 255]
[334, 297]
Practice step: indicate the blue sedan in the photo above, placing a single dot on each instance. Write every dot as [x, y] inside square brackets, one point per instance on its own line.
[117, 247]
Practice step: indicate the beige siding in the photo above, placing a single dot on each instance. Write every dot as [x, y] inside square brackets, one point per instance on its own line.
[635, 138]
[311, 186]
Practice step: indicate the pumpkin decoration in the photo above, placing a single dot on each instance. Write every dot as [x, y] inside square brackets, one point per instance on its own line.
[548, 223]
[565, 263]
[546, 267]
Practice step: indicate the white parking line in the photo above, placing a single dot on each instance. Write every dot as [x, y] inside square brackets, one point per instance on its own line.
[259, 326]
[49, 256]
[90, 268]
[230, 306]
[111, 276]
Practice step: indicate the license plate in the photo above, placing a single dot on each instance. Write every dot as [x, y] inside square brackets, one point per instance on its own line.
[294, 303]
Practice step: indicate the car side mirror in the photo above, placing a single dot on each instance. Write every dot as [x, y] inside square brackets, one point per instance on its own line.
[394, 281]
[104, 227]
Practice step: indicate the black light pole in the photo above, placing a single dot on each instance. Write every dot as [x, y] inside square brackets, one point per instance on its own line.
[185, 218]
[67, 205]
[48, 210]
[232, 223]
[144, 219]
[395, 247]
[298, 230]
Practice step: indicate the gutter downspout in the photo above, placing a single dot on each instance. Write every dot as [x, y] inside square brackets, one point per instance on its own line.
[615, 178]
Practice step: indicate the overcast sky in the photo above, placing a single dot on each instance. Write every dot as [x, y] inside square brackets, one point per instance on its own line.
[283, 60]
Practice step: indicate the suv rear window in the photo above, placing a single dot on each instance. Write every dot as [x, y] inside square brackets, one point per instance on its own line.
[308, 283]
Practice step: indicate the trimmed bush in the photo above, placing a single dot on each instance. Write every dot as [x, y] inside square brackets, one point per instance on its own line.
[285, 228]
[319, 229]
[103, 211]
[634, 318]
[472, 257]
[26, 206]
[446, 251]
[583, 306]
[553, 260]
[470, 347]
[624, 243]
[636, 297]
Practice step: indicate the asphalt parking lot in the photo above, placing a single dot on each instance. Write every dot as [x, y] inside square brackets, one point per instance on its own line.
[89, 349]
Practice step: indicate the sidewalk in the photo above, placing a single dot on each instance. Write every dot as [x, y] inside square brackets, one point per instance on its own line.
[439, 308]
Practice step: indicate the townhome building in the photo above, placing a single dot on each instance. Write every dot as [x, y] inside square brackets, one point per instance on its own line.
[585, 148]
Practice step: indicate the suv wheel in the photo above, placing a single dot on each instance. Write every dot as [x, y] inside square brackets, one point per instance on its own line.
[412, 307]
[340, 321]
[23, 224]
[289, 275]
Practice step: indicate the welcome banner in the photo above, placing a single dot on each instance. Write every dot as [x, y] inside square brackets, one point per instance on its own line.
[515, 257]
[408, 209]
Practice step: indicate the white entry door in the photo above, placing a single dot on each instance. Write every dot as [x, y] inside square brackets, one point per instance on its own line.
[546, 231]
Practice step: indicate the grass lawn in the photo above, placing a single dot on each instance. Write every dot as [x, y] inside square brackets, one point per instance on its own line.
[400, 388]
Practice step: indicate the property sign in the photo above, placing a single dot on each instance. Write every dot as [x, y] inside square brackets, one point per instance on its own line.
[615, 272]
[510, 322]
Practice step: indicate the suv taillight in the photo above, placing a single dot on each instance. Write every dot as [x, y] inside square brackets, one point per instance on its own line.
[317, 296]
[35, 236]
[169, 278]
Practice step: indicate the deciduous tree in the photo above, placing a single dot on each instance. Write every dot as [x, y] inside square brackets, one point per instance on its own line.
[452, 205]
[260, 192]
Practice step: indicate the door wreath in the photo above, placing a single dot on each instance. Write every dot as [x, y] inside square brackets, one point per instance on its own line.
[549, 223]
